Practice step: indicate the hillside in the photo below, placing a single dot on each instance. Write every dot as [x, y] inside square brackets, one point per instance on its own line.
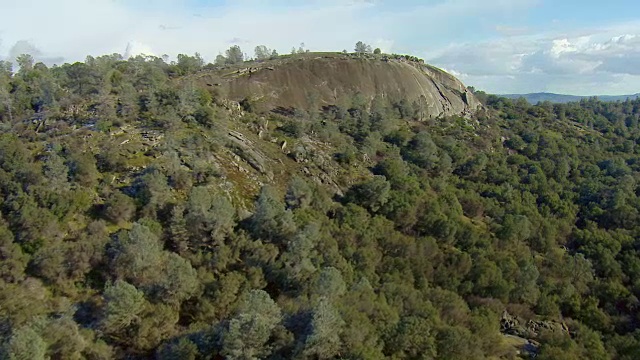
[324, 79]
[148, 213]
[534, 98]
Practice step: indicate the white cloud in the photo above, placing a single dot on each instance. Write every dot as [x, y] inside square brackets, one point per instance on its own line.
[590, 61]
[76, 28]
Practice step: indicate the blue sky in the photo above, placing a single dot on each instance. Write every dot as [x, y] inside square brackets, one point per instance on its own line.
[502, 46]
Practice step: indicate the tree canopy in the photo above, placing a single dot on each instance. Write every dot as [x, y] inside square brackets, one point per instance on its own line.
[362, 48]
[144, 214]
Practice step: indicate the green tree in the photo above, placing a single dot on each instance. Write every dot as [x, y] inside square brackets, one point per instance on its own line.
[14, 261]
[362, 48]
[298, 258]
[299, 194]
[262, 53]
[57, 172]
[234, 55]
[138, 256]
[330, 283]
[413, 338]
[455, 342]
[182, 349]
[422, 151]
[83, 169]
[6, 100]
[119, 208]
[178, 230]
[208, 215]
[271, 221]
[25, 63]
[250, 329]
[323, 339]
[156, 324]
[189, 64]
[123, 304]
[25, 344]
[179, 280]
[220, 60]
[372, 194]
[64, 338]
[154, 191]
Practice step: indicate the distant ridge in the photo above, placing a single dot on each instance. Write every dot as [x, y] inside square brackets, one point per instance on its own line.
[534, 98]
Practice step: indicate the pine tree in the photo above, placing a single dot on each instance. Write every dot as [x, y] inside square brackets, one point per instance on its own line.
[123, 305]
[323, 341]
[250, 329]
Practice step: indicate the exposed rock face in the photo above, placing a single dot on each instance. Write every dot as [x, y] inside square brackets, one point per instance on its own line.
[528, 329]
[246, 150]
[526, 333]
[306, 81]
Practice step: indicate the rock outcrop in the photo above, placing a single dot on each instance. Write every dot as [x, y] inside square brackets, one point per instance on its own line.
[513, 325]
[248, 152]
[525, 333]
[334, 79]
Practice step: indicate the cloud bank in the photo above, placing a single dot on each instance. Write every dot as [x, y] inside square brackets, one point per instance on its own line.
[594, 61]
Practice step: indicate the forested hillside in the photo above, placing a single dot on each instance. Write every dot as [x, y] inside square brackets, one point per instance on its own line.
[560, 98]
[144, 215]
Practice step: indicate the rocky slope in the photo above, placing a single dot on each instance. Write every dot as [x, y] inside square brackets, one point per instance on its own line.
[322, 79]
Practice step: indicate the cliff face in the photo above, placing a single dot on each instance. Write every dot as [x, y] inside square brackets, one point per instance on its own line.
[314, 79]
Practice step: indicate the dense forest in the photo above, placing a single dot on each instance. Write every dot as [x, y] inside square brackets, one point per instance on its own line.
[130, 226]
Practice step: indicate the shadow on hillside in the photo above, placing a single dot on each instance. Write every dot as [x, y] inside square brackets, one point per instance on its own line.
[284, 111]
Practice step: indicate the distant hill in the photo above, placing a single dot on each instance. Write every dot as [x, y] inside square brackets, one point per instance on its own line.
[534, 98]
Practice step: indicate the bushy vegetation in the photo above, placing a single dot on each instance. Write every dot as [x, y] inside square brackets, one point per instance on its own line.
[121, 246]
